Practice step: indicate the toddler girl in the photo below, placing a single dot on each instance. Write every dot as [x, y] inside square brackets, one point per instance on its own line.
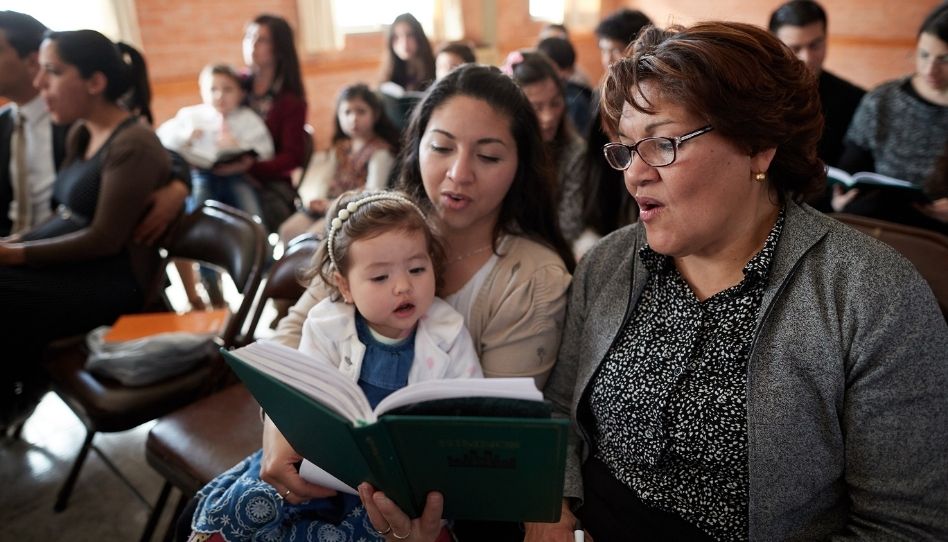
[380, 263]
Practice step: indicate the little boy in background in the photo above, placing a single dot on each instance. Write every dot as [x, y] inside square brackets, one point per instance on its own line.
[215, 132]
[210, 136]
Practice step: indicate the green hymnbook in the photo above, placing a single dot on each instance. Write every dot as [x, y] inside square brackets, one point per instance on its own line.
[489, 445]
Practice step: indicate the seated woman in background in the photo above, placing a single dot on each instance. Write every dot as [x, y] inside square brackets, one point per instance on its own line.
[738, 366]
[408, 61]
[362, 156]
[408, 67]
[899, 129]
[80, 269]
[275, 91]
[537, 76]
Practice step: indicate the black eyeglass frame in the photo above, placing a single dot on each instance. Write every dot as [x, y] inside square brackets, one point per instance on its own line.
[633, 149]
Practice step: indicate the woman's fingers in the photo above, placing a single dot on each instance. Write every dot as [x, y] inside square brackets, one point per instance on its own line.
[385, 514]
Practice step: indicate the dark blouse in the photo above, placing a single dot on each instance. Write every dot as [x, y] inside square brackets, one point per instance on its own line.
[669, 399]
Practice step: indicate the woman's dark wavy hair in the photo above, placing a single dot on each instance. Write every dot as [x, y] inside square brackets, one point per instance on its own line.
[742, 81]
[528, 208]
[537, 67]
[91, 52]
[137, 98]
[287, 71]
[936, 23]
[383, 126]
[416, 73]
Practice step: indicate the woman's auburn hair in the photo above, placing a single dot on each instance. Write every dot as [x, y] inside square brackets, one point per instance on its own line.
[742, 81]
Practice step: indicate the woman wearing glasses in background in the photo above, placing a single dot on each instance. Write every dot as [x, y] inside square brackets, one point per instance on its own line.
[737, 365]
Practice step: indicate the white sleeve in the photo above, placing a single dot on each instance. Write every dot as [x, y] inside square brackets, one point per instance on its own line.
[379, 169]
[254, 134]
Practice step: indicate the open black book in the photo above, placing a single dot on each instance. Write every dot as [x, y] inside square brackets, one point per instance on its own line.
[489, 445]
[874, 181]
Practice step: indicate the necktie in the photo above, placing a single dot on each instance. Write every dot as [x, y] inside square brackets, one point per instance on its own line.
[21, 185]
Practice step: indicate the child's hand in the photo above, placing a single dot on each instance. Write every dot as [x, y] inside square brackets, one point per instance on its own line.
[196, 134]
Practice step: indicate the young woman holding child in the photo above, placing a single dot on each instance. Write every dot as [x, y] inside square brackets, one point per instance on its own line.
[362, 156]
[275, 91]
[537, 76]
[380, 262]
[473, 161]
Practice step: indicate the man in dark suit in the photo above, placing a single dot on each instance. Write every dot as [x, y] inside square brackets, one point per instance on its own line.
[801, 25]
[20, 38]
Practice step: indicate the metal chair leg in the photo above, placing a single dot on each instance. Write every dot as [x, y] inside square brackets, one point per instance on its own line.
[156, 512]
[63, 498]
[183, 500]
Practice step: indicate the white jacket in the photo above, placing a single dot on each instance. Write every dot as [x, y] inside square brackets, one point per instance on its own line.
[443, 346]
[245, 125]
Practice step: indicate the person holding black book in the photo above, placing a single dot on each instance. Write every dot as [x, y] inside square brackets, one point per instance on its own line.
[900, 130]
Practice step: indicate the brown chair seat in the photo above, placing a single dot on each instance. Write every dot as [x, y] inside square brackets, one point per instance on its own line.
[204, 438]
[114, 406]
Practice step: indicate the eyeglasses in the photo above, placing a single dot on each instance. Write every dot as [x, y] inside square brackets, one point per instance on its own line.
[654, 151]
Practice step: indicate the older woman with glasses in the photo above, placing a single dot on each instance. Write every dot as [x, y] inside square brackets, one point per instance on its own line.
[737, 365]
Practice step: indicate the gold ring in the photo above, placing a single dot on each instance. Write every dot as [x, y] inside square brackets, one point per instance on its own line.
[287, 494]
[385, 532]
[400, 537]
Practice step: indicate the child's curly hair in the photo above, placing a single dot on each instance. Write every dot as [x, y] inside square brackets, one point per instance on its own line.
[359, 215]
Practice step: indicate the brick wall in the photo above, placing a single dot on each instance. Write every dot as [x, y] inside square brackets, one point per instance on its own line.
[870, 41]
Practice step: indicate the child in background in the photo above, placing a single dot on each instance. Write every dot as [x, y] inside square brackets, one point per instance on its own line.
[363, 152]
[451, 55]
[381, 263]
[218, 127]
[203, 133]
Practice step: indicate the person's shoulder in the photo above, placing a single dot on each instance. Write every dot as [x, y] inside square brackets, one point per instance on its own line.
[888, 89]
[528, 252]
[847, 254]
[838, 85]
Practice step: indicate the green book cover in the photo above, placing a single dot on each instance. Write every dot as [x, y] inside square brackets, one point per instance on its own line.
[493, 458]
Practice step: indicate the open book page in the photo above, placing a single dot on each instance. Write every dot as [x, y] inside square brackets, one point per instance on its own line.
[501, 388]
[319, 380]
[864, 177]
[315, 475]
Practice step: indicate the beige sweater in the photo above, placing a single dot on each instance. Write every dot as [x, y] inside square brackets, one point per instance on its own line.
[516, 319]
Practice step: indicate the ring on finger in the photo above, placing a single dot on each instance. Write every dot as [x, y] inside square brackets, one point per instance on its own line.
[399, 536]
[385, 532]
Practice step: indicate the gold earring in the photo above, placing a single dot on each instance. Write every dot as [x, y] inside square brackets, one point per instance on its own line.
[760, 177]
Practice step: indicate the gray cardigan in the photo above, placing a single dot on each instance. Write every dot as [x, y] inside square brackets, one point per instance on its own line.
[847, 383]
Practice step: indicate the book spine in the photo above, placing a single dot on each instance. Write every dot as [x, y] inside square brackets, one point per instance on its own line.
[379, 453]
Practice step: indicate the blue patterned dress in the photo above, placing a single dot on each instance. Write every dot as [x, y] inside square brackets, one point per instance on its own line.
[240, 506]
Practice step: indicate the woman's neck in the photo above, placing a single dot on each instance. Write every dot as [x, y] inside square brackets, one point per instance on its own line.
[465, 253]
[101, 122]
[356, 143]
[720, 268]
[263, 79]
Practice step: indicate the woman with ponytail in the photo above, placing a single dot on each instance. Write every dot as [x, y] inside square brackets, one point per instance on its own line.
[80, 268]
